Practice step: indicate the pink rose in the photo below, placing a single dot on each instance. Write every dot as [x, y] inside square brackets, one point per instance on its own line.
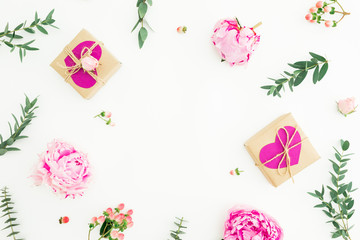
[245, 224]
[63, 168]
[234, 43]
[347, 106]
[89, 63]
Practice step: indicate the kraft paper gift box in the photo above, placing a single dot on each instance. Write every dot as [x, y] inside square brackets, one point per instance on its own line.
[281, 150]
[69, 64]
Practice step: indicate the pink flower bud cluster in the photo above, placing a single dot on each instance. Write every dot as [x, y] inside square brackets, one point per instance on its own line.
[115, 220]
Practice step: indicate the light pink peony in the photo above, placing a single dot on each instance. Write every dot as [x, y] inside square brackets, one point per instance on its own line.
[63, 168]
[243, 224]
[347, 106]
[234, 44]
[89, 63]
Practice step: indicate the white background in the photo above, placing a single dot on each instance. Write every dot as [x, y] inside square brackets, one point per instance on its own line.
[182, 116]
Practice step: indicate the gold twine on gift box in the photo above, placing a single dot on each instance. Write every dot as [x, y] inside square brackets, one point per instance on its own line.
[85, 52]
[285, 153]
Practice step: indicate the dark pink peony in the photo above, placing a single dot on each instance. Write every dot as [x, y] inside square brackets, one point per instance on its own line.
[244, 224]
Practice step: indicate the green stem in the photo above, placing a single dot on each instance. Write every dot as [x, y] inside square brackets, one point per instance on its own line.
[343, 12]
[10, 32]
[7, 205]
[89, 233]
[337, 202]
[179, 228]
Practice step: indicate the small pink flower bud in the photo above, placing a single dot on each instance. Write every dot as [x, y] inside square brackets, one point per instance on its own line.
[109, 210]
[327, 9]
[312, 21]
[121, 206]
[308, 17]
[130, 212]
[101, 219]
[328, 23]
[347, 106]
[181, 29]
[121, 236]
[319, 4]
[114, 234]
[111, 216]
[112, 124]
[313, 9]
[232, 172]
[93, 220]
[130, 224]
[129, 219]
[108, 114]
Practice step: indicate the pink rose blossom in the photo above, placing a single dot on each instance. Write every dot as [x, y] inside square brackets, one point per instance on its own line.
[130, 212]
[63, 168]
[347, 106]
[234, 44]
[101, 219]
[93, 220]
[130, 224]
[243, 224]
[89, 63]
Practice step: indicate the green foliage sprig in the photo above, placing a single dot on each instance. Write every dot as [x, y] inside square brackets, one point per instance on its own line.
[8, 210]
[175, 234]
[297, 77]
[19, 126]
[339, 207]
[142, 6]
[8, 36]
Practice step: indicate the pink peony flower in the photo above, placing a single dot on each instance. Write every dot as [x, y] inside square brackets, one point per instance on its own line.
[234, 43]
[243, 224]
[89, 63]
[64, 169]
[347, 106]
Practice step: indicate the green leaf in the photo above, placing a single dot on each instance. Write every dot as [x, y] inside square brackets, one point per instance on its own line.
[21, 54]
[318, 57]
[138, 3]
[2, 151]
[316, 74]
[139, 21]
[300, 78]
[41, 29]
[323, 70]
[267, 87]
[142, 9]
[18, 27]
[29, 30]
[49, 16]
[150, 2]
[142, 36]
[6, 29]
[345, 145]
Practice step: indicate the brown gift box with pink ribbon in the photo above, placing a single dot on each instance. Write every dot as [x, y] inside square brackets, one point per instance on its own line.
[86, 64]
[281, 150]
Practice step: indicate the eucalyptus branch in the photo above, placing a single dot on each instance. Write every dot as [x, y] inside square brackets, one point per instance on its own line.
[180, 227]
[6, 206]
[19, 126]
[8, 36]
[342, 211]
[297, 77]
[142, 6]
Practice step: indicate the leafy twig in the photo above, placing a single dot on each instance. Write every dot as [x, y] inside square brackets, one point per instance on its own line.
[19, 126]
[7, 208]
[295, 79]
[339, 207]
[7, 36]
[180, 227]
[142, 10]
